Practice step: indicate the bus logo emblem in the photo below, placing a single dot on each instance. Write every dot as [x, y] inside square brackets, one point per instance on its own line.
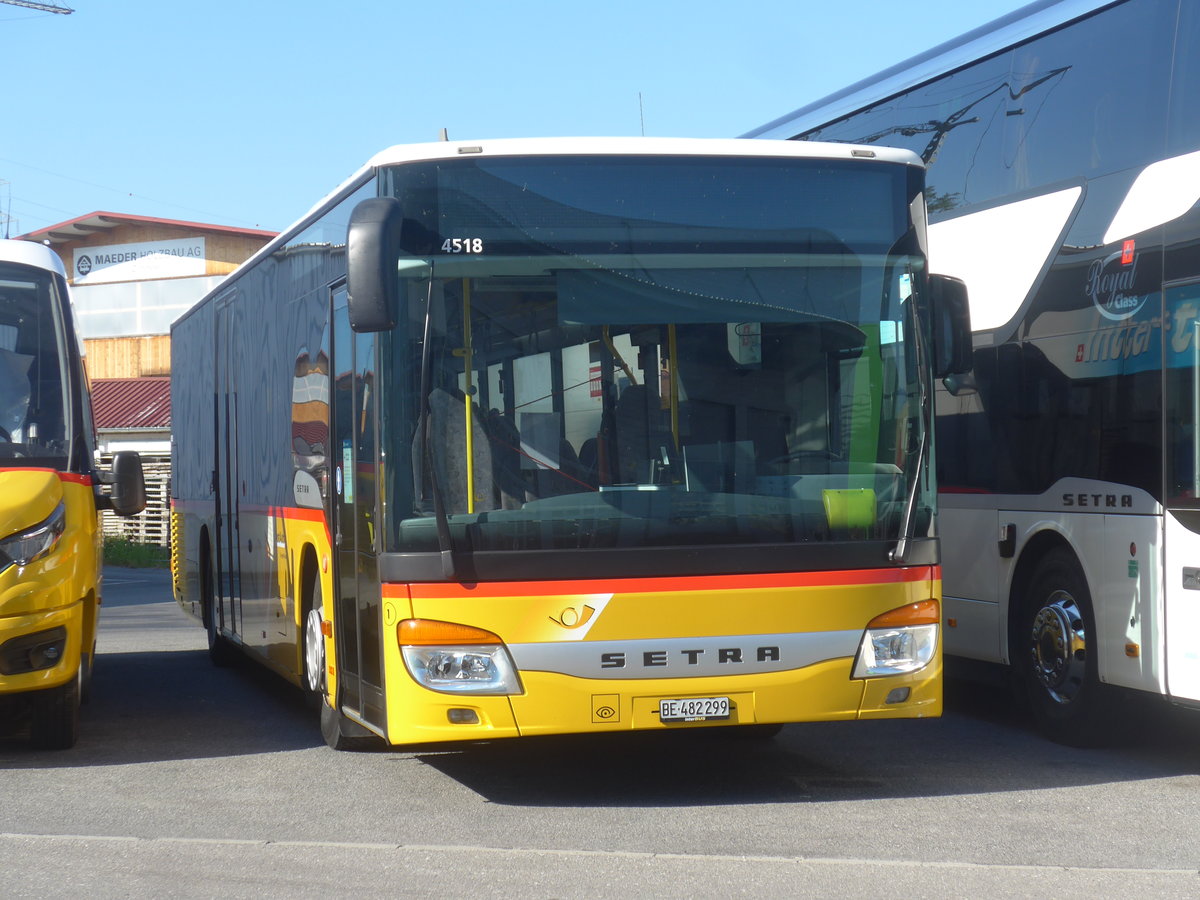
[573, 618]
[1110, 287]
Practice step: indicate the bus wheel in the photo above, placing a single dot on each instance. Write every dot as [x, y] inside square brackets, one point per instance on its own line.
[1056, 664]
[86, 664]
[220, 653]
[342, 733]
[54, 716]
[314, 648]
[754, 732]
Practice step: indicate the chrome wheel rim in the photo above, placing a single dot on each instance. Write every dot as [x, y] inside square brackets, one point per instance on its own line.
[1059, 648]
[314, 650]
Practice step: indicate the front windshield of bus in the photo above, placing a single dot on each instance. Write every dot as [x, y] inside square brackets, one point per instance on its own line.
[645, 352]
[33, 395]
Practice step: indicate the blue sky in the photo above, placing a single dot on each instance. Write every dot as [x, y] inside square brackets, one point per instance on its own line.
[246, 113]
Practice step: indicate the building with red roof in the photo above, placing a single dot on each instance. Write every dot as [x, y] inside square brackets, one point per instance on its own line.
[131, 277]
[133, 413]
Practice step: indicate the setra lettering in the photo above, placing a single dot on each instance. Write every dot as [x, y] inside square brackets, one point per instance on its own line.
[657, 659]
[1097, 501]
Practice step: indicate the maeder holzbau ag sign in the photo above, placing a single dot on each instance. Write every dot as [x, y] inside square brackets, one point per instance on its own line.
[178, 258]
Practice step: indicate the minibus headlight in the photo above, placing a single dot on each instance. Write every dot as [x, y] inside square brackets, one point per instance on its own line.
[898, 642]
[26, 546]
[456, 659]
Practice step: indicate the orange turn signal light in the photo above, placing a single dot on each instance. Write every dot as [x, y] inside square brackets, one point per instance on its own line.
[924, 612]
[432, 633]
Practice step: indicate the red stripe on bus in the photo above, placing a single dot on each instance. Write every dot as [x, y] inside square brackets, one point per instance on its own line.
[299, 513]
[70, 477]
[279, 512]
[847, 578]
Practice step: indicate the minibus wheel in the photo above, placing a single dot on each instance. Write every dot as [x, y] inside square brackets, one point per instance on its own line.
[54, 715]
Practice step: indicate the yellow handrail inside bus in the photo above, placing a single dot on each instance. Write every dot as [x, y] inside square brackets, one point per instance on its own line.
[673, 372]
[468, 413]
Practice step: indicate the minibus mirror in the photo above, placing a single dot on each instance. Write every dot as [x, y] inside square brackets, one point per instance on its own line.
[951, 321]
[128, 494]
[372, 250]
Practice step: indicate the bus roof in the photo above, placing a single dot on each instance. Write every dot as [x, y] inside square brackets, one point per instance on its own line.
[1017, 27]
[583, 146]
[575, 146]
[619, 146]
[28, 253]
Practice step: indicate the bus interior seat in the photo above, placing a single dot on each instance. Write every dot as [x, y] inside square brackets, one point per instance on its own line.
[640, 439]
[448, 453]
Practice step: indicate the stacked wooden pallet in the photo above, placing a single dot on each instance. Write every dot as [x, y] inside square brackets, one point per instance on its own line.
[153, 524]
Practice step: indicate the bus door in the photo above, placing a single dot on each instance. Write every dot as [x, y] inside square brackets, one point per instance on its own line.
[228, 582]
[357, 617]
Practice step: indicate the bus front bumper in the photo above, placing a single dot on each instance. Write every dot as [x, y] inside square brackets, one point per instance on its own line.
[552, 703]
[41, 629]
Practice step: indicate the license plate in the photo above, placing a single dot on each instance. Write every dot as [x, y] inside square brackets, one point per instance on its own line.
[693, 709]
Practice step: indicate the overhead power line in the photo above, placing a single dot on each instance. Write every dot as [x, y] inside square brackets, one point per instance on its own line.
[44, 7]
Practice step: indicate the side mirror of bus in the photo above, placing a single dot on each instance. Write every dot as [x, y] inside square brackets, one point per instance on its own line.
[951, 321]
[128, 494]
[372, 251]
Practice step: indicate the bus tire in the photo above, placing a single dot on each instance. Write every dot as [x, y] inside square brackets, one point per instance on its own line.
[766, 732]
[341, 733]
[1055, 664]
[220, 651]
[54, 716]
[754, 732]
[86, 664]
[313, 680]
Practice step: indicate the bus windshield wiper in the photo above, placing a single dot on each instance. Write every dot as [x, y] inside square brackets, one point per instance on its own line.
[445, 541]
[900, 551]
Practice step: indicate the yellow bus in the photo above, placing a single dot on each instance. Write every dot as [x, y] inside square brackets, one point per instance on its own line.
[50, 500]
[570, 436]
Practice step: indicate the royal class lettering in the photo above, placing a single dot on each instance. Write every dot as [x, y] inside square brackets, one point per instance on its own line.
[1112, 290]
[1098, 501]
[655, 659]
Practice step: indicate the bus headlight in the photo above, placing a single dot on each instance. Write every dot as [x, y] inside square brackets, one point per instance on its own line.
[898, 642]
[33, 543]
[456, 659]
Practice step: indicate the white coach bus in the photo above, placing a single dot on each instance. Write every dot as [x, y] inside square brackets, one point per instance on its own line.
[1063, 149]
